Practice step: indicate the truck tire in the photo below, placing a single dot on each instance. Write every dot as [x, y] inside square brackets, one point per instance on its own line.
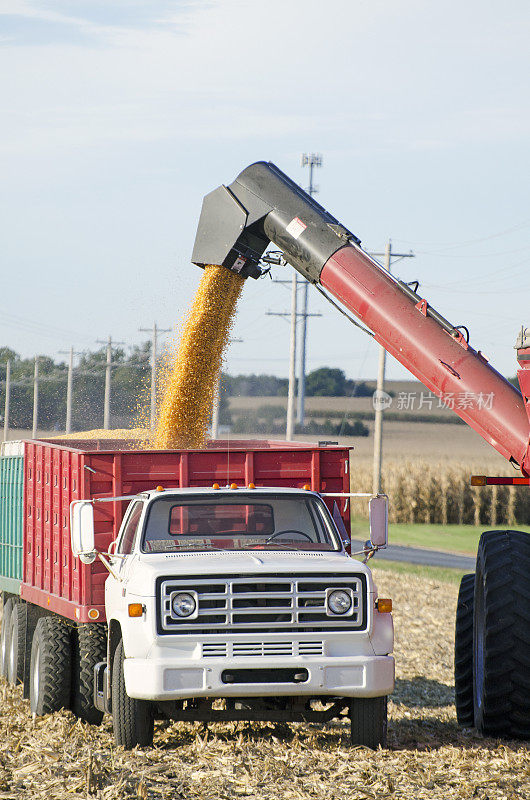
[89, 647]
[132, 720]
[501, 635]
[464, 652]
[4, 635]
[50, 667]
[16, 653]
[369, 721]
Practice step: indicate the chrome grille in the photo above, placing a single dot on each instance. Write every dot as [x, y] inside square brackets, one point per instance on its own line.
[266, 603]
[261, 649]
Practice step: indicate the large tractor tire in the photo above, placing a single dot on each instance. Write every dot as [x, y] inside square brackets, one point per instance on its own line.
[16, 652]
[133, 720]
[50, 667]
[501, 635]
[464, 652]
[368, 721]
[89, 648]
[4, 635]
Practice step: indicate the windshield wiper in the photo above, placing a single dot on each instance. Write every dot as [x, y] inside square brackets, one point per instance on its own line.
[274, 545]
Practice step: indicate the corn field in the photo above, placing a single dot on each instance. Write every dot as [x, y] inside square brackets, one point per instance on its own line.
[427, 492]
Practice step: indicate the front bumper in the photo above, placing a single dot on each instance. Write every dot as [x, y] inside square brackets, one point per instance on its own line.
[168, 679]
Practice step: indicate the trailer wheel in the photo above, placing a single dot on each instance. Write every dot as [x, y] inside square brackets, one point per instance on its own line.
[369, 721]
[16, 652]
[132, 719]
[464, 652]
[50, 667]
[4, 635]
[501, 641]
[89, 648]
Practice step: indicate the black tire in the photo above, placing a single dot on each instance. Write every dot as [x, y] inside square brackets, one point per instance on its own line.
[4, 635]
[464, 652]
[16, 653]
[50, 667]
[501, 635]
[369, 721]
[88, 648]
[132, 720]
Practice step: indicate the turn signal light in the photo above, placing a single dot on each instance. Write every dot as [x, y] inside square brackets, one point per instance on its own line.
[384, 605]
[136, 609]
[479, 480]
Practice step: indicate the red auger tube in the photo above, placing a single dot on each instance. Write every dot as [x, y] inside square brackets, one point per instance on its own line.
[449, 368]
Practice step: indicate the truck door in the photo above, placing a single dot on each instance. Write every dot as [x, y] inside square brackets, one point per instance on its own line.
[124, 554]
[128, 537]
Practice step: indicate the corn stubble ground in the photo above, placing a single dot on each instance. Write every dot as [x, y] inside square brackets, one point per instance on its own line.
[428, 756]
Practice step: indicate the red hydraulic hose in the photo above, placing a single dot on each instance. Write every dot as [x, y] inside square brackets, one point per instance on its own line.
[452, 370]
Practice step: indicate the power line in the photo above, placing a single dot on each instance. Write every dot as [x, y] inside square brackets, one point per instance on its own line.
[451, 245]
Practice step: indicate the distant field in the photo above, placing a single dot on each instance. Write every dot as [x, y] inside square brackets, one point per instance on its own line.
[428, 441]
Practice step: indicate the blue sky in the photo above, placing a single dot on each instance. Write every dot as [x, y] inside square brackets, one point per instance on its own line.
[117, 118]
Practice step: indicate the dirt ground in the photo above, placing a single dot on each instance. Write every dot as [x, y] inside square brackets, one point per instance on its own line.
[428, 756]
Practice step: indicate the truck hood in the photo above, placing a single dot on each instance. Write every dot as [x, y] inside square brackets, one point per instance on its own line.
[149, 567]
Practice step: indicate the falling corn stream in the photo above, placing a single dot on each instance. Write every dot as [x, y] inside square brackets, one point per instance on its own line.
[189, 380]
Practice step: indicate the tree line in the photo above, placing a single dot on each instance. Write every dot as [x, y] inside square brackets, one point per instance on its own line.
[130, 382]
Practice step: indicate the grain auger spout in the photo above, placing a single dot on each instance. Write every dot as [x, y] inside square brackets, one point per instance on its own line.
[263, 206]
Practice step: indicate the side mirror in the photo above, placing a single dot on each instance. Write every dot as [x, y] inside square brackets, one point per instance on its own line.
[82, 531]
[378, 514]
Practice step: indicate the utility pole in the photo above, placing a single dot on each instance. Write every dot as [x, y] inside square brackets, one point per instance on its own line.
[69, 382]
[7, 399]
[293, 314]
[108, 370]
[291, 394]
[379, 404]
[69, 387]
[216, 401]
[289, 430]
[310, 160]
[155, 330]
[35, 398]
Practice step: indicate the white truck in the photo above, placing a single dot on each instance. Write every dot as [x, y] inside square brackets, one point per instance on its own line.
[239, 604]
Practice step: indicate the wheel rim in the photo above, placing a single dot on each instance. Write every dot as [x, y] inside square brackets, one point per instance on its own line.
[479, 646]
[35, 678]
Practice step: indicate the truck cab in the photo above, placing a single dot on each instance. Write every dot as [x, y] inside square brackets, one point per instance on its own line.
[240, 603]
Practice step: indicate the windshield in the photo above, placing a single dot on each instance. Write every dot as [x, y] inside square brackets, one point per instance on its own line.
[244, 522]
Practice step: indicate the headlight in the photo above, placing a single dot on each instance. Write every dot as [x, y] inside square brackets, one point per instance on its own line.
[183, 604]
[339, 601]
